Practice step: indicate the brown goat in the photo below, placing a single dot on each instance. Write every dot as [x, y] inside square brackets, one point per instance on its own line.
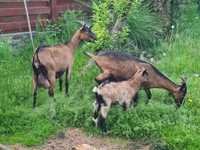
[50, 63]
[122, 93]
[118, 66]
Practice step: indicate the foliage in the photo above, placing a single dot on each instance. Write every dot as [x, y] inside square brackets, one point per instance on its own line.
[159, 121]
[169, 11]
[138, 27]
[59, 31]
[145, 27]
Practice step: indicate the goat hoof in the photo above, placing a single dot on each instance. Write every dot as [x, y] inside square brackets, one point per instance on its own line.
[104, 131]
[94, 122]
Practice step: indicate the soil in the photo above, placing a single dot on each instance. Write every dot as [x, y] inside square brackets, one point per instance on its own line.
[73, 138]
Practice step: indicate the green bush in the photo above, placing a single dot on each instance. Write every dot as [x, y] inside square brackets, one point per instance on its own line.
[145, 28]
[139, 28]
[164, 125]
[60, 31]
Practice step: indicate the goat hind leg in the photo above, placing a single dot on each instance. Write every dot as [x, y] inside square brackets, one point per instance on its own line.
[96, 106]
[101, 122]
[35, 88]
[52, 81]
[67, 78]
[149, 95]
[60, 83]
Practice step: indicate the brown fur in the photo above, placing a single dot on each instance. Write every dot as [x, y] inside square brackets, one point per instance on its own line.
[122, 68]
[118, 92]
[55, 60]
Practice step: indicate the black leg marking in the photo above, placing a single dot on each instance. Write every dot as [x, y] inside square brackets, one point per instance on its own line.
[35, 91]
[66, 87]
[51, 93]
[100, 99]
[34, 97]
[101, 123]
[124, 106]
[60, 84]
[149, 95]
[96, 112]
[66, 83]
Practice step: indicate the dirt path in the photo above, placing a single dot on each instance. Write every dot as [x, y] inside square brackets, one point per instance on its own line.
[74, 137]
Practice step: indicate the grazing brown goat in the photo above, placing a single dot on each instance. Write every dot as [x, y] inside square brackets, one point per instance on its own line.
[118, 66]
[50, 63]
[122, 93]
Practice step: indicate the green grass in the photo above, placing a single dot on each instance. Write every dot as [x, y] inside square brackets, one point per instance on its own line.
[158, 121]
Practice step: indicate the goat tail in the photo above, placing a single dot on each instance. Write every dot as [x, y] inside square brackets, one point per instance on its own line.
[35, 66]
[92, 56]
[38, 67]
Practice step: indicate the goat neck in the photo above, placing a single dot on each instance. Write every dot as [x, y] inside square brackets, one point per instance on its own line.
[74, 42]
[165, 83]
[136, 84]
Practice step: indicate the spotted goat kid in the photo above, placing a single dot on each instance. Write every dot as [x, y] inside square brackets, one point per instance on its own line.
[122, 93]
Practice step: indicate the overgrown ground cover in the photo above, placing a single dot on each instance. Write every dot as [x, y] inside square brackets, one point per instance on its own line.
[158, 122]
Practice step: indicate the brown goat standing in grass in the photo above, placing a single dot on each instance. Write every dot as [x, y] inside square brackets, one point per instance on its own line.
[50, 63]
[119, 66]
[122, 93]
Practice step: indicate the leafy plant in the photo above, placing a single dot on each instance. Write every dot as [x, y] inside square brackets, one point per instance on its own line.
[145, 28]
[60, 31]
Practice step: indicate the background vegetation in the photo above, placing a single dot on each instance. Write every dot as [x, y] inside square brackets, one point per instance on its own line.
[158, 122]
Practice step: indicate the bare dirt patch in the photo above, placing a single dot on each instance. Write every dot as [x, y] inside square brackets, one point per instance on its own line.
[74, 137]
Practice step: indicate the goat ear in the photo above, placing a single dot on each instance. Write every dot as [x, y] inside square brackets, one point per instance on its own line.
[83, 27]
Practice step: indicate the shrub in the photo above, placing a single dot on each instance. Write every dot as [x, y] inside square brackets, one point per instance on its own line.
[138, 27]
[145, 28]
[60, 31]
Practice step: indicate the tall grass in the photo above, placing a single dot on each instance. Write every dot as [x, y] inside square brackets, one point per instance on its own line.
[145, 27]
[159, 121]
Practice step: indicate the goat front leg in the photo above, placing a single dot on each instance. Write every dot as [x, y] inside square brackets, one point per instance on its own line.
[149, 95]
[101, 121]
[97, 107]
[52, 81]
[67, 78]
[35, 88]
